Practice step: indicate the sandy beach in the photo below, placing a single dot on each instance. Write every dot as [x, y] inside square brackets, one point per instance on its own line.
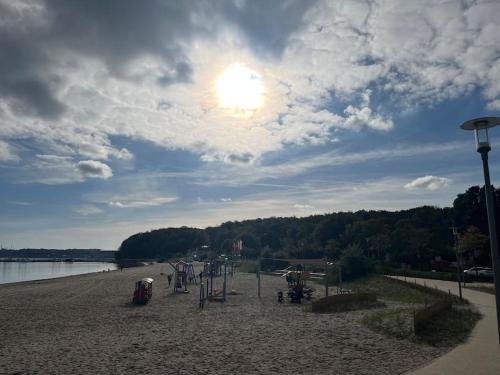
[86, 325]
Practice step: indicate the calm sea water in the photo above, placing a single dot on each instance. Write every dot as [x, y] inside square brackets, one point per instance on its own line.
[12, 272]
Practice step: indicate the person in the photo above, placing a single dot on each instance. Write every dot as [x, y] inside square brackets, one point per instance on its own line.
[169, 278]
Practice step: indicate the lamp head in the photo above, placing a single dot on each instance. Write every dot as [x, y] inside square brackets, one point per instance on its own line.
[480, 127]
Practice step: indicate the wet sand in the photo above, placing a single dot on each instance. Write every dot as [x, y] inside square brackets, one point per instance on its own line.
[86, 325]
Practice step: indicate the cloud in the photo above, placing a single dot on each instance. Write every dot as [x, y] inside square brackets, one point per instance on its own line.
[225, 200]
[20, 203]
[256, 174]
[94, 169]
[73, 94]
[87, 210]
[357, 117]
[7, 153]
[147, 202]
[428, 182]
[57, 170]
[303, 206]
[50, 170]
[266, 26]
[103, 151]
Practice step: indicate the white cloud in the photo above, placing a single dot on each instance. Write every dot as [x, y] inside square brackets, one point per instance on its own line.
[87, 210]
[428, 182]
[51, 170]
[225, 200]
[103, 151]
[147, 202]
[20, 203]
[7, 153]
[234, 176]
[303, 206]
[57, 170]
[94, 169]
[357, 117]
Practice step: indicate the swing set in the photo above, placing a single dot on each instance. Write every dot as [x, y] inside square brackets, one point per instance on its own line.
[183, 275]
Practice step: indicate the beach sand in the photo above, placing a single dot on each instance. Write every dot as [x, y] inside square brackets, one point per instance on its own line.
[86, 325]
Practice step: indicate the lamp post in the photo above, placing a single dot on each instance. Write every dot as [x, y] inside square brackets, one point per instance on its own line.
[480, 127]
[459, 269]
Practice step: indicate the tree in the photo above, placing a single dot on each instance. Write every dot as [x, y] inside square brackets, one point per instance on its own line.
[354, 263]
[473, 244]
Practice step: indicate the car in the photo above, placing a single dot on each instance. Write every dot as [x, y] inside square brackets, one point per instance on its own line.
[484, 273]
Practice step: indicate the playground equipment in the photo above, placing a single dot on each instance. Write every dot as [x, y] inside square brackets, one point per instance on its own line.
[183, 275]
[296, 275]
[143, 291]
[297, 288]
[212, 269]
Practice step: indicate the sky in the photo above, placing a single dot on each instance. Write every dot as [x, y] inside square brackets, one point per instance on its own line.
[124, 116]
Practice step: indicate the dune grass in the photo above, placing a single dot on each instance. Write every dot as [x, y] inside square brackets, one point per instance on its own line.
[447, 329]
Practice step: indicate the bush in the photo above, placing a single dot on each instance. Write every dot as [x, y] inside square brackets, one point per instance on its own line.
[268, 264]
[249, 266]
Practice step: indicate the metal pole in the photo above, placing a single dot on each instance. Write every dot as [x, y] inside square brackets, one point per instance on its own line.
[459, 278]
[326, 277]
[225, 281]
[258, 279]
[495, 257]
[340, 277]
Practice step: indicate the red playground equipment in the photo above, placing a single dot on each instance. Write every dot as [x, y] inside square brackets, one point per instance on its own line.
[143, 291]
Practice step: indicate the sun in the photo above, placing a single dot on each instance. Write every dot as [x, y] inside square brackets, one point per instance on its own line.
[239, 89]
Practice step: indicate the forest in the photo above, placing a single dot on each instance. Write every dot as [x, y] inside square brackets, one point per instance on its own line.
[413, 238]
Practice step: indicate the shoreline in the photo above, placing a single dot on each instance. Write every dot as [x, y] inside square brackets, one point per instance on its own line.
[86, 324]
[56, 260]
[56, 277]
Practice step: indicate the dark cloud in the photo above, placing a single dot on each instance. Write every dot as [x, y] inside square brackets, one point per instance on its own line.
[31, 97]
[118, 31]
[183, 74]
[92, 168]
[113, 31]
[23, 81]
[243, 158]
[267, 24]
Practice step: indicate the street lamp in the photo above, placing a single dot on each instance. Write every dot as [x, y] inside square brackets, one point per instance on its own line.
[480, 127]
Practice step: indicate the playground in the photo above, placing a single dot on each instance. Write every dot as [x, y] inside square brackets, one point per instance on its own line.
[90, 319]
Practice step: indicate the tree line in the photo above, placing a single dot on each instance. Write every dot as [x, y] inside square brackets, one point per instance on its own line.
[413, 237]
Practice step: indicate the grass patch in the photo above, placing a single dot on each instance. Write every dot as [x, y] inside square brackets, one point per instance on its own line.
[398, 291]
[391, 322]
[483, 289]
[248, 266]
[445, 330]
[447, 276]
[450, 328]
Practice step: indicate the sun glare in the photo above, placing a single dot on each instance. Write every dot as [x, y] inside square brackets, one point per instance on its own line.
[239, 89]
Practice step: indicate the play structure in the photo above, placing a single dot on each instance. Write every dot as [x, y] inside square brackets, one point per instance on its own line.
[297, 284]
[143, 291]
[296, 276]
[183, 275]
[211, 289]
[222, 266]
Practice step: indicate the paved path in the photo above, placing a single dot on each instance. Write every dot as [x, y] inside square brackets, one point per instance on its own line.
[480, 355]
